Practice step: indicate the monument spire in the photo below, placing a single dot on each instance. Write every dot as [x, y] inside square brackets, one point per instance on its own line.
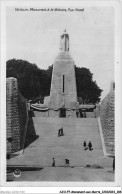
[64, 42]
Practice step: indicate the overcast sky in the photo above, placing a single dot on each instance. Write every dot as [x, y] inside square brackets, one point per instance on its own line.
[35, 36]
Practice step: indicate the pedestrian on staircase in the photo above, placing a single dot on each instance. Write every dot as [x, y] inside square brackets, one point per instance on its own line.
[84, 145]
[62, 133]
[53, 164]
[66, 162]
[90, 146]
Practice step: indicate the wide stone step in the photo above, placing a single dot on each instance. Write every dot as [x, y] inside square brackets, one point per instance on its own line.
[67, 121]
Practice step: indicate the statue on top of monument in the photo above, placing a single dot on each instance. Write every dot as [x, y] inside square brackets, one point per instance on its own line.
[64, 42]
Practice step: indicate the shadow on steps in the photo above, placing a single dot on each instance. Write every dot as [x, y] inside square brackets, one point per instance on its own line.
[31, 133]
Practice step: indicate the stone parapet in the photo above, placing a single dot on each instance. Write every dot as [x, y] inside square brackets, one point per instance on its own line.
[107, 121]
[16, 116]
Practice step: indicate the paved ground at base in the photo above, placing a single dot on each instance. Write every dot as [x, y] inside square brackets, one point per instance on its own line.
[66, 174]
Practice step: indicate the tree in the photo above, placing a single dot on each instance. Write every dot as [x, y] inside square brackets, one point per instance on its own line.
[87, 89]
[30, 78]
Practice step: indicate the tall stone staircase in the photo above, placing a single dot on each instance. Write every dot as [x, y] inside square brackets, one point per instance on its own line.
[69, 146]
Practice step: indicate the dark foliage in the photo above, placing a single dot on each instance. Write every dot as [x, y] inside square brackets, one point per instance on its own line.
[34, 83]
[87, 89]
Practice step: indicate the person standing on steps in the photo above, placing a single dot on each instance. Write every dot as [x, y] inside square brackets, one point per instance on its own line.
[84, 145]
[66, 162]
[53, 164]
[62, 133]
[90, 146]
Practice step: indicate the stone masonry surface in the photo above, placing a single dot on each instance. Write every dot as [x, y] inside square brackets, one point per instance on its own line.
[15, 116]
[63, 68]
[107, 122]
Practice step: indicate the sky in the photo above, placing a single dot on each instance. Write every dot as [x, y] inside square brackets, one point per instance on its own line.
[35, 36]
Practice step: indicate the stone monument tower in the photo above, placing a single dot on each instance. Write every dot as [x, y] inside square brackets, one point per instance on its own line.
[63, 94]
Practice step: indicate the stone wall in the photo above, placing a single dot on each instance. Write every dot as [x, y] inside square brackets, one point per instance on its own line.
[16, 116]
[107, 121]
